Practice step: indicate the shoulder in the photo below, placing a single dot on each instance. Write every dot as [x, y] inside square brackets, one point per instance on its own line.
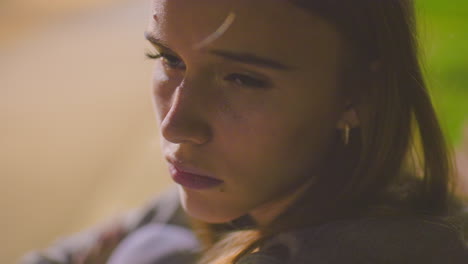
[165, 209]
[371, 240]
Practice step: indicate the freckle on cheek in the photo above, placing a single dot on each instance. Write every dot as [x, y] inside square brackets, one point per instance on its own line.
[226, 111]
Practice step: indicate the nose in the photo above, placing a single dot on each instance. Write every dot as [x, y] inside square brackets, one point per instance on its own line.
[186, 120]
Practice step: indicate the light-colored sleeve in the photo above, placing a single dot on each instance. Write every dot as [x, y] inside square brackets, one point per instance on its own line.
[157, 244]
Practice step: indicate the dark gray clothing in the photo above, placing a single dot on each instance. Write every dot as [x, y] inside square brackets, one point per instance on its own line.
[367, 240]
[160, 234]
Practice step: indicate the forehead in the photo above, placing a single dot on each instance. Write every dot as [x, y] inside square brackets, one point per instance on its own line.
[274, 28]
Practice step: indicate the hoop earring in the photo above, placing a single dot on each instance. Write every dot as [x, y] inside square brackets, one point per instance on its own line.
[346, 132]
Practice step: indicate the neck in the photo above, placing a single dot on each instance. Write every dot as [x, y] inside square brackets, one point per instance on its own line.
[266, 213]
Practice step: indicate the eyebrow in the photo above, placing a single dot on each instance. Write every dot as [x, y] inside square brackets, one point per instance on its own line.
[242, 57]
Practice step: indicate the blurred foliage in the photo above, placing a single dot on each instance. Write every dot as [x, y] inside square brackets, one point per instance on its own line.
[443, 29]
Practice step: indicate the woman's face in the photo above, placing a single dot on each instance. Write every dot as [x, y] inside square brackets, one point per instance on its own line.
[248, 95]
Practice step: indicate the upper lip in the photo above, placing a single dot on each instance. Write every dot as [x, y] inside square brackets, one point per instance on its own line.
[187, 168]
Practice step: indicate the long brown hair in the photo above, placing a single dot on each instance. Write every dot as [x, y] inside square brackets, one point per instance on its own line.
[399, 142]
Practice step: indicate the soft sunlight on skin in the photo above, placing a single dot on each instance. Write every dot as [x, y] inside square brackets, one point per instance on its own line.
[257, 107]
[218, 33]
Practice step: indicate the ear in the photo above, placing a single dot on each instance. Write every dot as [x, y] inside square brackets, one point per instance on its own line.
[349, 117]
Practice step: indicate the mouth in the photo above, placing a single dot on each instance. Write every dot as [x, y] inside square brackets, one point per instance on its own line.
[192, 178]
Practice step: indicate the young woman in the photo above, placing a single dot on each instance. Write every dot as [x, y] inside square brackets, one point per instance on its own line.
[298, 131]
[306, 125]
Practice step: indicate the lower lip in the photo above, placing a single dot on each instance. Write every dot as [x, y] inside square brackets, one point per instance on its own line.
[193, 181]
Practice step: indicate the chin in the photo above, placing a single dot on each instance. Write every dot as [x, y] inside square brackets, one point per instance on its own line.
[196, 206]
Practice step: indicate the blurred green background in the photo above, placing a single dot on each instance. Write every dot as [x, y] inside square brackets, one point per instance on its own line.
[443, 27]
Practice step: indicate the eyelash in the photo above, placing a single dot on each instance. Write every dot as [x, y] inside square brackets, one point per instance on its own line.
[166, 58]
[238, 79]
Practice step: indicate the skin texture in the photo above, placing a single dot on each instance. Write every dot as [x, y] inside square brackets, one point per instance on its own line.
[265, 143]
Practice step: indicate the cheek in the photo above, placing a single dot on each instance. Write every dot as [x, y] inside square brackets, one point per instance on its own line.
[274, 140]
[271, 158]
[288, 134]
[283, 120]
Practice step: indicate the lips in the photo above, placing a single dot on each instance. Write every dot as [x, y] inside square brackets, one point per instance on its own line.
[192, 178]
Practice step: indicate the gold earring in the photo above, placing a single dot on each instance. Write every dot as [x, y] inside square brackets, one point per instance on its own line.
[346, 132]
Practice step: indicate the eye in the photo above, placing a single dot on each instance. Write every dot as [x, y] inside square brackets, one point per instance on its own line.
[168, 60]
[244, 80]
